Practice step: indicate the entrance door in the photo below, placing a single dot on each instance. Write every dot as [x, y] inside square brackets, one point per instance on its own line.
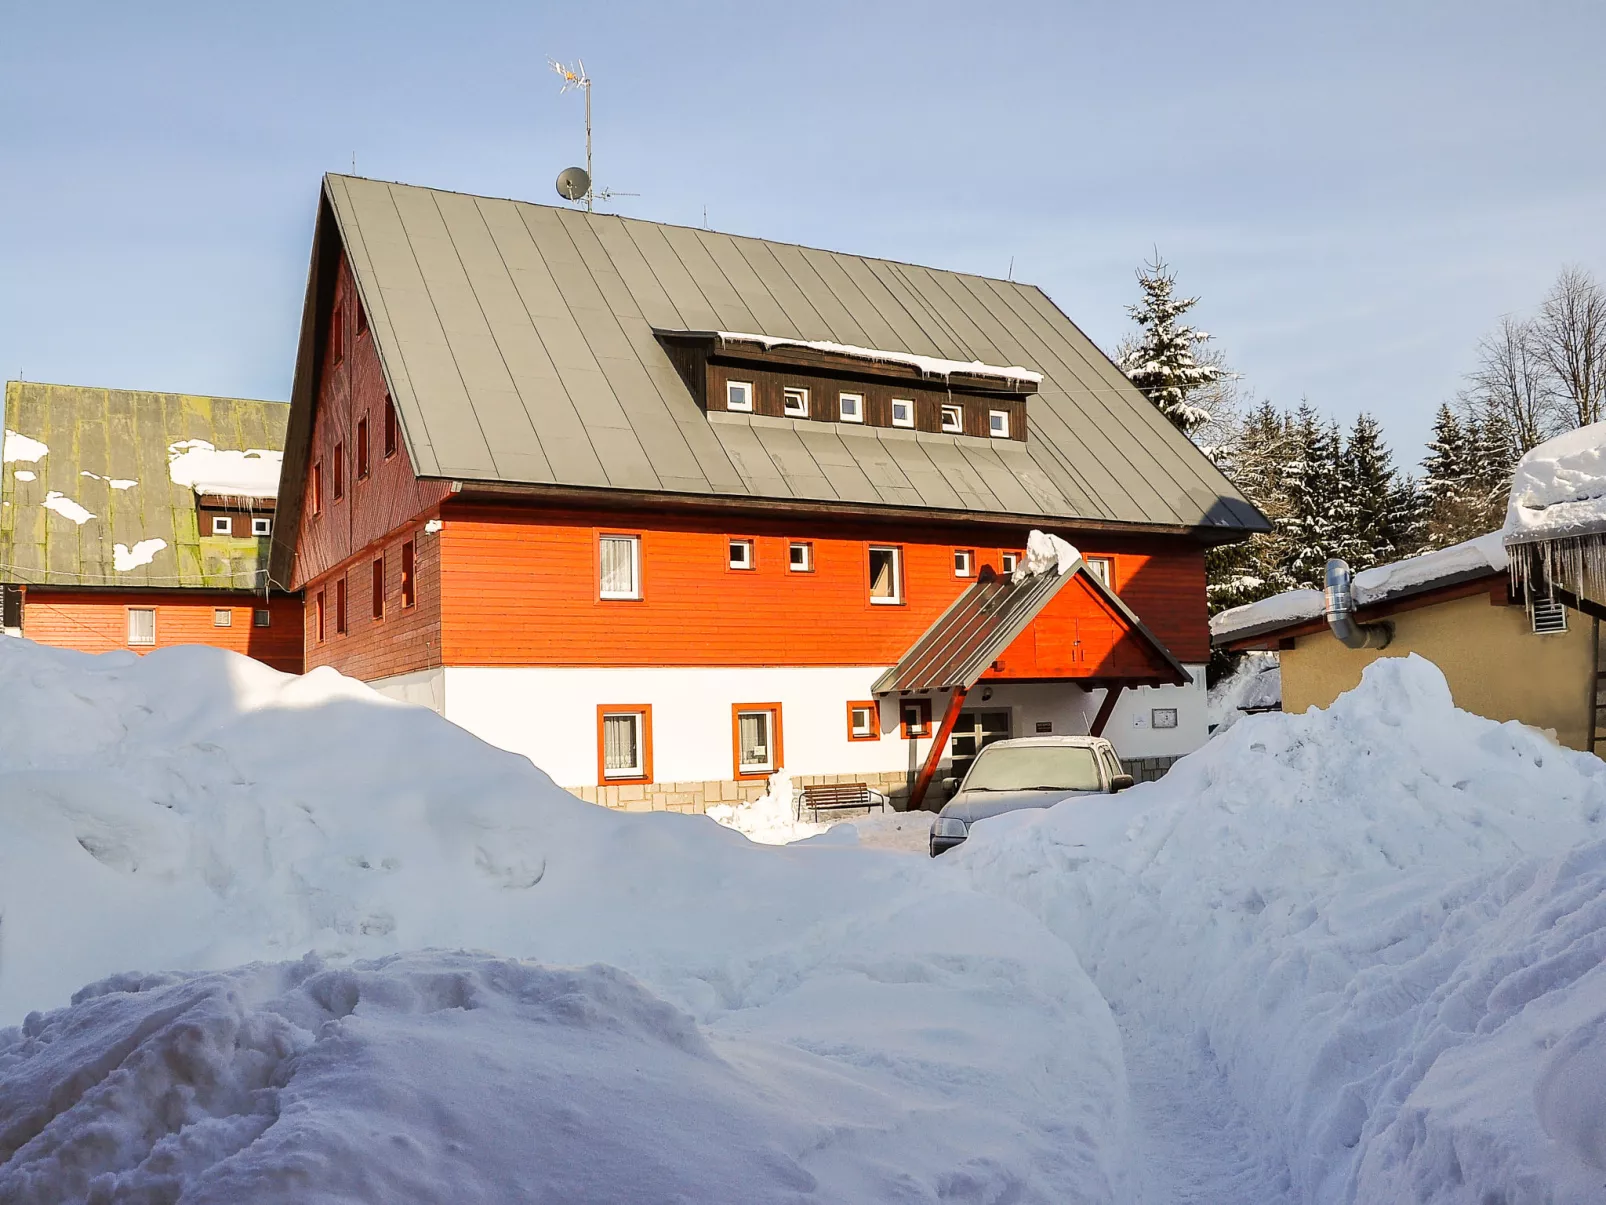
[973, 732]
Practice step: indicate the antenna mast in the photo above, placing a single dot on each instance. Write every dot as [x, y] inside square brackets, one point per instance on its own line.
[573, 184]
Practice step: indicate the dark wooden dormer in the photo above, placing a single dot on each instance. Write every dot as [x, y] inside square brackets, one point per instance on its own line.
[792, 379]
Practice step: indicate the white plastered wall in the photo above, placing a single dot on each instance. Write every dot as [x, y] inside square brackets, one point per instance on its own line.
[426, 687]
[1070, 710]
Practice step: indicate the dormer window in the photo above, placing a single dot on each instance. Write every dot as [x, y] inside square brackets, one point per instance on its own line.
[903, 412]
[953, 420]
[852, 407]
[998, 424]
[795, 403]
[739, 395]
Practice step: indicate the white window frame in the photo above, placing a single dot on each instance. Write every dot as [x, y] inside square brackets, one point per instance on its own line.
[998, 424]
[1103, 568]
[133, 636]
[1009, 560]
[261, 527]
[746, 559]
[742, 389]
[808, 557]
[957, 413]
[795, 394]
[1549, 617]
[964, 562]
[635, 567]
[871, 722]
[842, 400]
[909, 415]
[638, 721]
[897, 575]
[768, 765]
[222, 525]
[222, 617]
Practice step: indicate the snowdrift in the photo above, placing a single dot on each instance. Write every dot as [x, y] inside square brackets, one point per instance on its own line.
[513, 995]
[1386, 922]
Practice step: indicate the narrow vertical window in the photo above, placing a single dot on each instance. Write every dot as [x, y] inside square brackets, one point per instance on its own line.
[362, 447]
[886, 575]
[757, 734]
[141, 625]
[379, 588]
[320, 610]
[340, 471]
[390, 427]
[317, 487]
[624, 744]
[408, 589]
[340, 607]
[620, 568]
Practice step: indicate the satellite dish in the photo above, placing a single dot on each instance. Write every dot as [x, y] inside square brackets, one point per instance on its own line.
[573, 183]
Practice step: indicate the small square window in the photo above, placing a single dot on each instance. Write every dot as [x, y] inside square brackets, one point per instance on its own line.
[261, 618]
[998, 424]
[741, 554]
[1101, 567]
[739, 395]
[1010, 560]
[795, 403]
[864, 721]
[1163, 717]
[916, 716]
[621, 567]
[953, 420]
[222, 525]
[886, 576]
[800, 557]
[262, 527]
[141, 625]
[964, 563]
[851, 407]
[903, 412]
[222, 617]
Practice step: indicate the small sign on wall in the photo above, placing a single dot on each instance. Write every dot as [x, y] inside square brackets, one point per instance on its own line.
[1164, 717]
[1045, 725]
[1139, 720]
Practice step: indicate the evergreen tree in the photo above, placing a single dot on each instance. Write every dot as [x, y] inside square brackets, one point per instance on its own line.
[1255, 460]
[1468, 469]
[1366, 496]
[1312, 530]
[1164, 361]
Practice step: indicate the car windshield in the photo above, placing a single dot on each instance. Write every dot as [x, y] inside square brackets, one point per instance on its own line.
[1025, 767]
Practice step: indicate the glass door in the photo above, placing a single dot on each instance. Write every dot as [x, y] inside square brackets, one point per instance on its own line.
[973, 732]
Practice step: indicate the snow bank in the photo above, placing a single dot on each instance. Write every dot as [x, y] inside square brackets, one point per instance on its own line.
[1486, 553]
[19, 447]
[931, 366]
[1385, 922]
[208, 470]
[1559, 488]
[749, 1022]
[771, 819]
[1257, 682]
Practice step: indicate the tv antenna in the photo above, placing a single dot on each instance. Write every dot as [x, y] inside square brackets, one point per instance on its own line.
[576, 183]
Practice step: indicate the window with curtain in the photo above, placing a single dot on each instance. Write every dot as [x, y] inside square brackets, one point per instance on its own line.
[141, 625]
[622, 745]
[620, 567]
[755, 752]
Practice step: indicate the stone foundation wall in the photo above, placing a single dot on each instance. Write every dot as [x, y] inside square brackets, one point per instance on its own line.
[1148, 769]
[698, 797]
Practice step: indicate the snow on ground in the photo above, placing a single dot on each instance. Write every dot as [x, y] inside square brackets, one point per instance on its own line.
[250, 474]
[1559, 487]
[1256, 681]
[513, 995]
[771, 819]
[1383, 925]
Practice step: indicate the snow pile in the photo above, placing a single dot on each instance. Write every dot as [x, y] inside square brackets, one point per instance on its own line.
[1485, 554]
[745, 1023]
[208, 470]
[1255, 684]
[1045, 552]
[67, 508]
[771, 819]
[931, 366]
[1385, 924]
[1559, 488]
[125, 558]
[17, 446]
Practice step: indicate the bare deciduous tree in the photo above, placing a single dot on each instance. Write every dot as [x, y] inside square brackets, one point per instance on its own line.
[1570, 335]
[1513, 382]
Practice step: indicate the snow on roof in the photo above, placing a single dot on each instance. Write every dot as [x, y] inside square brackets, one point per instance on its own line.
[1559, 488]
[1414, 573]
[1045, 551]
[67, 508]
[931, 366]
[17, 446]
[249, 474]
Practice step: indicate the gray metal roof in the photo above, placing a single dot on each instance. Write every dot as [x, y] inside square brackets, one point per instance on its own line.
[518, 343]
[100, 441]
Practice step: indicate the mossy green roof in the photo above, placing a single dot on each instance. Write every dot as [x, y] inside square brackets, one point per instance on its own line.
[99, 440]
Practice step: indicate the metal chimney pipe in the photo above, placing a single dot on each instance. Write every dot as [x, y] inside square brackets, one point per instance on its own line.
[1339, 605]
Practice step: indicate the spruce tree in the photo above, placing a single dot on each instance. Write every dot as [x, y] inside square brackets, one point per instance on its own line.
[1255, 460]
[1164, 361]
[1312, 529]
[1365, 497]
[1450, 481]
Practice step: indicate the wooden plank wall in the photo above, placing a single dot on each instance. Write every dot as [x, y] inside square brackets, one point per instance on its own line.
[96, 621]
[520, 588]
[404, 639]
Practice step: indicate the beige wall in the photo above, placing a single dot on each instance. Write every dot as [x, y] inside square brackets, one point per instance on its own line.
[1496, 666]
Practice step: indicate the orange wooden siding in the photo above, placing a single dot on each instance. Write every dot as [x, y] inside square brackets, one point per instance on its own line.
[1078, 635]
[520, 587]
[97, 622]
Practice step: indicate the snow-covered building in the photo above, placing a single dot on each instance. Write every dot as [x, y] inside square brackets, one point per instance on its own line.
[1458, 608]
[136, 520]
[667, 510]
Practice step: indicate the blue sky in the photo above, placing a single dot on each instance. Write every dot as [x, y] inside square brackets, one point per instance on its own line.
[1356, 191]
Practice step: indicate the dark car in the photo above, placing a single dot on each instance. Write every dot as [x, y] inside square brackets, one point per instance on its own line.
[1029, 772]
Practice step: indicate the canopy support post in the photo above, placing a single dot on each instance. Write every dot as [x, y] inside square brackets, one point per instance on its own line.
[939, 742]
[1106, 709]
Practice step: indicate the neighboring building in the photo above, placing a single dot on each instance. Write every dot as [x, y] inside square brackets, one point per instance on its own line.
[1455, 607]
[658, 506]
[133, 520]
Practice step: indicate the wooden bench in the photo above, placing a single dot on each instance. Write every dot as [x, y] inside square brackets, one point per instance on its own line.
[836, 796]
